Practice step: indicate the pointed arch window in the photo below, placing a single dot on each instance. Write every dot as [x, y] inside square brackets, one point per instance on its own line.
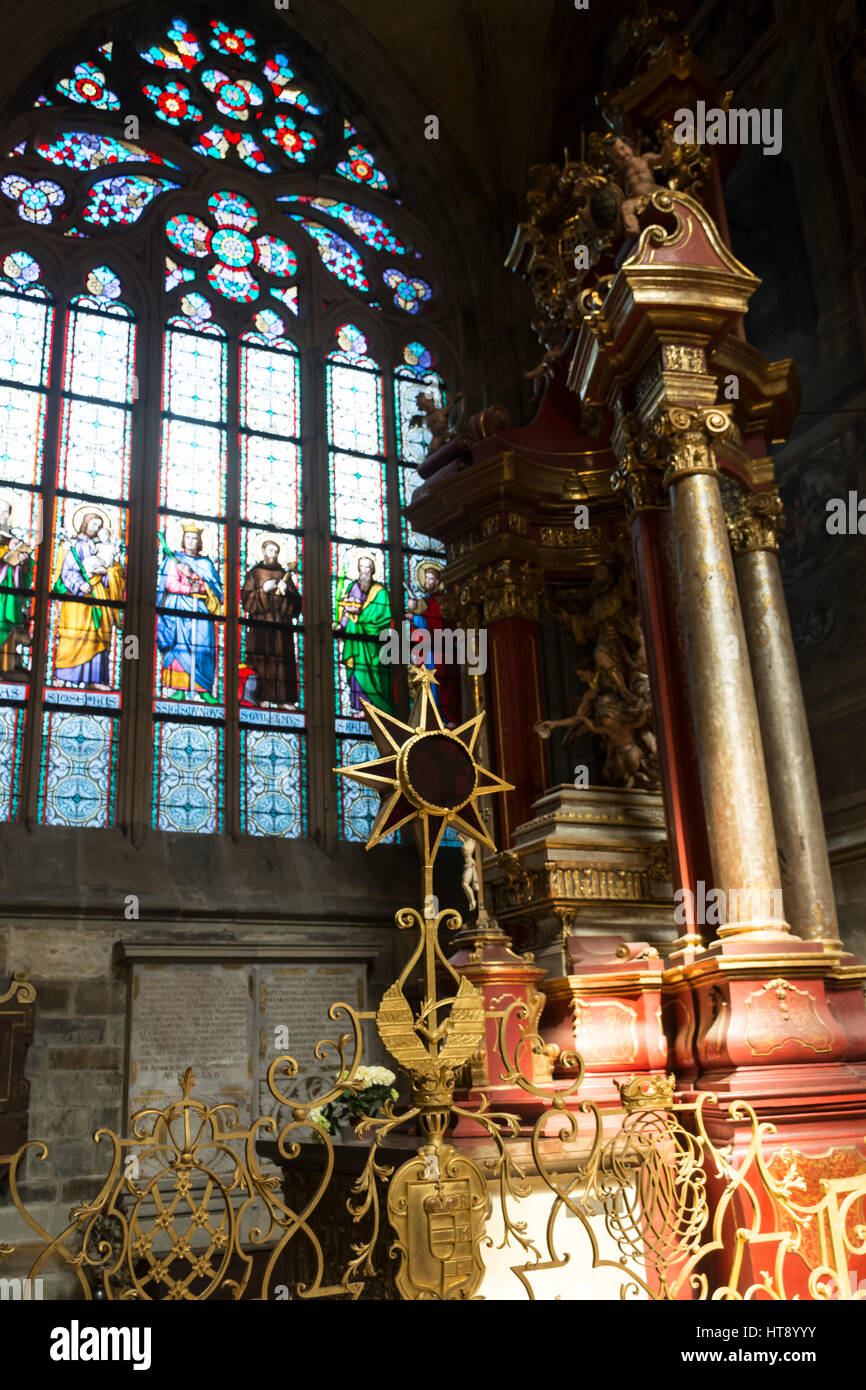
[194, 457]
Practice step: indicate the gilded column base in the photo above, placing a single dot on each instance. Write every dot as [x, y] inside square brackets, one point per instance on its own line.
[774, 1010]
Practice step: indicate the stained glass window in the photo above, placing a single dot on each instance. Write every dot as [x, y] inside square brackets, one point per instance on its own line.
[26, 330]
[359, 541]
[418, 385]
[337, 255]
[123, 199]
[36, 199]
[360, 166]
[371, 229]
[231, 248]
[88, 86]
[172, 102]
[414, 378]
[271, 662]
[189, 670]
[86, 150]
[409, 292]
[179, 473]
[84, 646]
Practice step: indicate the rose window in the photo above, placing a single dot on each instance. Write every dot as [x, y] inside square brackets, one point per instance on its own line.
[233, 248]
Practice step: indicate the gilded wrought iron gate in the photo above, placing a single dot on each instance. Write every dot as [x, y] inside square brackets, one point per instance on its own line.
[647, 1199]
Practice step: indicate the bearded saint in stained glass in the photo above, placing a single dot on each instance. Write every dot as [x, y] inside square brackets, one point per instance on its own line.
[189, 585]
[363, 612]
[269, 596]
[88, 567]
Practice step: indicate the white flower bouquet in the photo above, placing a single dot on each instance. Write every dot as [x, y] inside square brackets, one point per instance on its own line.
[376, 1087]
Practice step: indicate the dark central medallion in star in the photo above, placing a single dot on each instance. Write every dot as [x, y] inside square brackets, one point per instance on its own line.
[439, 772]
[426, 775]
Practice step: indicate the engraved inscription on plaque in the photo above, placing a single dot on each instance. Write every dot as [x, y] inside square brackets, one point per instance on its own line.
[229, 1022]
[197, 1016]
[293, 1005]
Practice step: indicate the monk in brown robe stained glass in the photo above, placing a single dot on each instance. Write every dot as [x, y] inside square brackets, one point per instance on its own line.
[271, 601]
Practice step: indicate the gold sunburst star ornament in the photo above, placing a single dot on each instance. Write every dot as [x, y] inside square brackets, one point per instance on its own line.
[425, 773]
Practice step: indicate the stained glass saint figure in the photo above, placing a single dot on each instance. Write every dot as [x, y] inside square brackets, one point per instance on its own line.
[363, 613]
[190, 585]
[16, 575]
[425, 614]
[88, 567]
[270, 597]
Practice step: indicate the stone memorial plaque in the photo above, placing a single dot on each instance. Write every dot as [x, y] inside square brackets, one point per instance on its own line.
[198, 1016]
[293, 1002]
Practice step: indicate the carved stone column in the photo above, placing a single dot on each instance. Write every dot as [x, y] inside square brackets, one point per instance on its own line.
[805, 865]
[733, 775]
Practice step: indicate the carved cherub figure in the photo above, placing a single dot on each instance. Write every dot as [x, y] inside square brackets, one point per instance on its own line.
[435, 417]
[637, 175]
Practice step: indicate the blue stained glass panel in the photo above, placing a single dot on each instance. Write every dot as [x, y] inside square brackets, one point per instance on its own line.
[370, 228]
[22, 416]
[288, 297]
[273, 790]
[11, 729]
[360, 167]
[270, 482]
[88, 86]
[358, 498]
[172, 103]
[190, 647]
[25, 338]
[233, 97]
[234, 43]
[288, 136]
[35, 200]
[188, 777]
[94, 449]
[336, 254]
[354, 406]
[409, 480]
[184, 52]
[77, 772]
[193, 468]
[408, 294]
[357, 806]
[194, 375]
[269, 390]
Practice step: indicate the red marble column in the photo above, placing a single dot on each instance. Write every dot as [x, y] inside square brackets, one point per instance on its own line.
[514, 704]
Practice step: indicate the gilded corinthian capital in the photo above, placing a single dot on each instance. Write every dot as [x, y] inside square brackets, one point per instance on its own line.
[759, 522]
[685, 439]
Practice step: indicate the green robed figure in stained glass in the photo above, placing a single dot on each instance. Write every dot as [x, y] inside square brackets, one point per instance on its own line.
[363, 613]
